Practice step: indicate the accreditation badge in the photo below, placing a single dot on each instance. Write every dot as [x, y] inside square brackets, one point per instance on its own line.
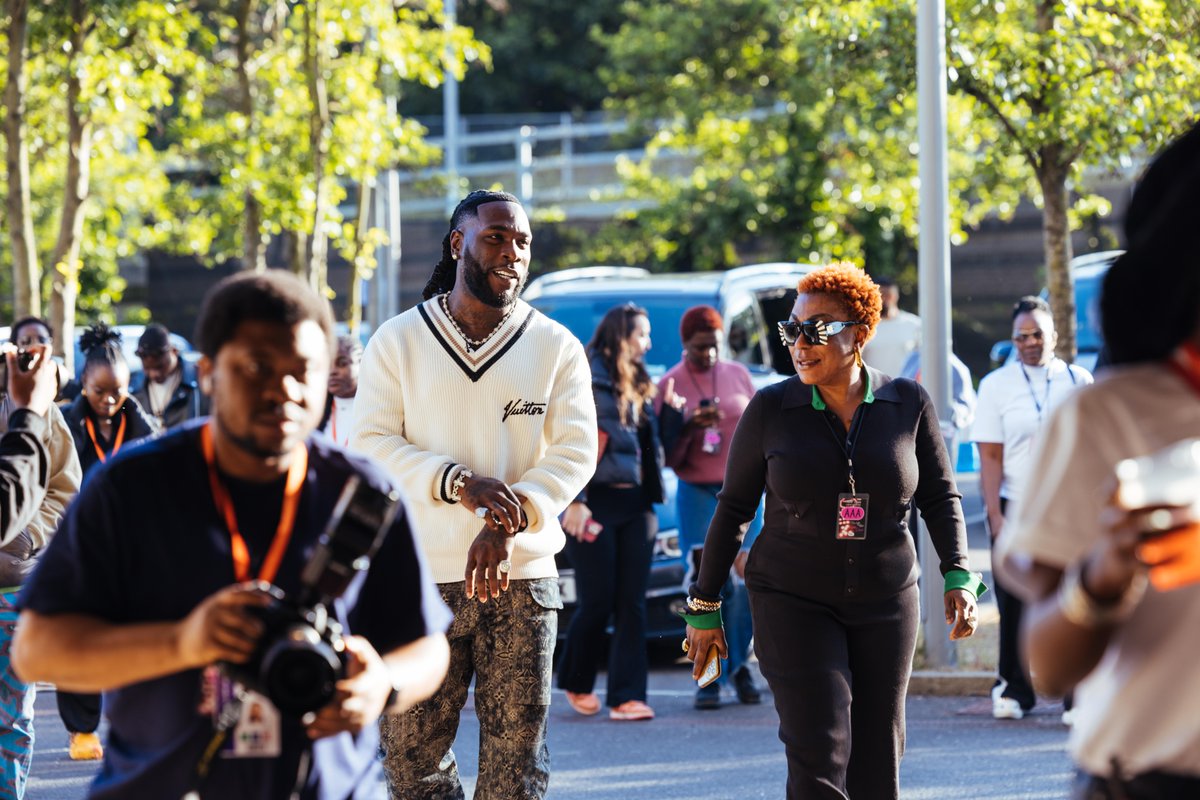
[258, 729]
[852, 517]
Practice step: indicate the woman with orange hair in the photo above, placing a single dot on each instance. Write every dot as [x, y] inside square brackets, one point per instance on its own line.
[842, 451]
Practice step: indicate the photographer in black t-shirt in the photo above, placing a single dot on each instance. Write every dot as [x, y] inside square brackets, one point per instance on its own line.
[152, 577]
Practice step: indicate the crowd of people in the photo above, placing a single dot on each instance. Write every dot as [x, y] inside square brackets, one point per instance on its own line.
[158, 531]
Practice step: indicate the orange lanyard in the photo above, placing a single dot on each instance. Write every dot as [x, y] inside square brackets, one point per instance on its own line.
[283, 532]
[333, 422]
[91, 429]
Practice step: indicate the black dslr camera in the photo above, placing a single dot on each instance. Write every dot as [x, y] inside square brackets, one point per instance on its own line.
[300, 657]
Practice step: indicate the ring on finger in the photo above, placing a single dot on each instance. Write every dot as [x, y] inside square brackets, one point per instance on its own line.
[685, 646]
[481, 512]
[504, 567]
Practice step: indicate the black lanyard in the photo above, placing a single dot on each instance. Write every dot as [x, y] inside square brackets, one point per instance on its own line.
[851, 440]
[1045, 400]
[688, 369]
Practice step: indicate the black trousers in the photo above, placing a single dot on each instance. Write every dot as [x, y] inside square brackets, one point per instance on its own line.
[1010, 663]
[1147, 786]
[839, 675]
[611, 574]
[80, 713]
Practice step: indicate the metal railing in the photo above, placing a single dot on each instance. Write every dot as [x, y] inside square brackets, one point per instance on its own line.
[569, 167]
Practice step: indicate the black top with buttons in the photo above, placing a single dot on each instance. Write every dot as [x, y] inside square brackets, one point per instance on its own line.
[785, 445]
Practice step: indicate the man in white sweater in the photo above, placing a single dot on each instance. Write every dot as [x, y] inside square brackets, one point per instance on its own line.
[483, 408]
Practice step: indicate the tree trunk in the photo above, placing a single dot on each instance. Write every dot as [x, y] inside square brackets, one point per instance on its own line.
[70, 230]
[253, 256]
[318, 146]
[358, 270]
[1056, 237]
[27, 273]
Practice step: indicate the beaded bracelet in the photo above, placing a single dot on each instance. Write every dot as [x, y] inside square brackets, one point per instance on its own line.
[698, 606]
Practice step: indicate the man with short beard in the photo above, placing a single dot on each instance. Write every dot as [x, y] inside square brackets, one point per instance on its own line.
[482, 407]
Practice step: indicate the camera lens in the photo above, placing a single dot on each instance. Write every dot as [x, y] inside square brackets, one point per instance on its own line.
[299, 673]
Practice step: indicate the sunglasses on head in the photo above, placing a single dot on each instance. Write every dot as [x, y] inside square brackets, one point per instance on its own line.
[815, 331]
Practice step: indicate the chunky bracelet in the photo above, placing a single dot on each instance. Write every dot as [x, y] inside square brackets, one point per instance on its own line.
[961, 579]
[443, 484]
[459, 481]
[1081, 608]
[698, 606]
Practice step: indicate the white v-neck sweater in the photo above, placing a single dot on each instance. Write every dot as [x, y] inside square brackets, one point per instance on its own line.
[519, 409]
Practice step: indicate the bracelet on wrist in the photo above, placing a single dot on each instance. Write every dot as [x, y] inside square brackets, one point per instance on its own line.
[705, 621]
[961, 579]
[697, 606]
[458, 482]
[1080, 607]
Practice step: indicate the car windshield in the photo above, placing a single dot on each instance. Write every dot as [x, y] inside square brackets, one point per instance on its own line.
[581, 314]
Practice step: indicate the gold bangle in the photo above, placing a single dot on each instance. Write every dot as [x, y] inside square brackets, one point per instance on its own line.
[703, 606]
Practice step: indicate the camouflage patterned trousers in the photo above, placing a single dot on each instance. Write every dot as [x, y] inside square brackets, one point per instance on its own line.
[508, 647]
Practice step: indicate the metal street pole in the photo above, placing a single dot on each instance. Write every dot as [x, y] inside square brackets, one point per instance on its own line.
[450, 117]
[934, 271]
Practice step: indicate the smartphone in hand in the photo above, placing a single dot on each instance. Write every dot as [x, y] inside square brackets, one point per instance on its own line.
[591, 530]
[712, 668]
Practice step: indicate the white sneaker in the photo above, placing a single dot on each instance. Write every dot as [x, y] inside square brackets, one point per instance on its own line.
[1068, 717]
[1006, 708]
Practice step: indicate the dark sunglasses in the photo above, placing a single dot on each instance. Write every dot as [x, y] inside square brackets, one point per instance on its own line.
[1036, 336]
[816, 331]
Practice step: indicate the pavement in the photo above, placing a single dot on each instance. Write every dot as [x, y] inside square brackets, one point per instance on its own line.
[954, 750]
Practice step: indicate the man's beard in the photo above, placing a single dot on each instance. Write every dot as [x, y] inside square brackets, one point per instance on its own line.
[476, 278]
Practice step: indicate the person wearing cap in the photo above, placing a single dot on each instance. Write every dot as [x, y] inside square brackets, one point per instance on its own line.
[167, 388]
[1112, 582]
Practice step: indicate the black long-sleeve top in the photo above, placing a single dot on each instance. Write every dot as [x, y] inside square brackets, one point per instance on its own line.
[796, 451]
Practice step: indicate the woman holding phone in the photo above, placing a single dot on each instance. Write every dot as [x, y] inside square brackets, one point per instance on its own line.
[611, 527]
[715, 392]
[842, 451]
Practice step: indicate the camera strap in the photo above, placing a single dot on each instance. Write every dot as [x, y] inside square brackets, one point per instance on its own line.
[287, 516]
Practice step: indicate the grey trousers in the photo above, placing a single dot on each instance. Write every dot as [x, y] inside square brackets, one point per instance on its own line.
[507, 645]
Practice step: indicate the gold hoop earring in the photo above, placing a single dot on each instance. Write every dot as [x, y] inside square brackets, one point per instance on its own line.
[858, 362]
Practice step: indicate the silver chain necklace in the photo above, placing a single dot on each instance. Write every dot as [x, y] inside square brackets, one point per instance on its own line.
[473, 344]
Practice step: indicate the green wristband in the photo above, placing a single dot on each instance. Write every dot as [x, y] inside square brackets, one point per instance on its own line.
[961, 579]
[703, 622]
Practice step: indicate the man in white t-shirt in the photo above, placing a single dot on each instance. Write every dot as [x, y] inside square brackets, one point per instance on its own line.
[897, 335]
[1014, 403]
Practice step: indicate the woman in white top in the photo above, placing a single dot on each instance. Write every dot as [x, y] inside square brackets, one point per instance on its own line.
[1014, 402]
[1114, 583]
[343, 385]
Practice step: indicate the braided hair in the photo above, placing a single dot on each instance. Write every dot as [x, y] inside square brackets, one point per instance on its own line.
[442, 279]
[101, 345]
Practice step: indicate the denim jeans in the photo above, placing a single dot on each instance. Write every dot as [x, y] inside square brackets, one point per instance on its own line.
[696, 503]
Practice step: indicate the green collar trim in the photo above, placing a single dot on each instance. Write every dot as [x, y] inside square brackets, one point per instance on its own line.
[868, 397]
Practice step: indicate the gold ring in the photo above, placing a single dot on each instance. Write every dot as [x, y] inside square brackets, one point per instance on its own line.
[685, 646]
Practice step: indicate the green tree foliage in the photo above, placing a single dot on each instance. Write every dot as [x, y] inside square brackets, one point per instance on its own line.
[1056, 87]
[801, 122]
[543, 58]
[291, 110]
[90, 78]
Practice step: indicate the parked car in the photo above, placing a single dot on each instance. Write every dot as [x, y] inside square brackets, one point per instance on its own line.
[751, 300]
[1088, 271]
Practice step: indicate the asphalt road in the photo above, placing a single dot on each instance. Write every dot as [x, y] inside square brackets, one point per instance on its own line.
[954, 750]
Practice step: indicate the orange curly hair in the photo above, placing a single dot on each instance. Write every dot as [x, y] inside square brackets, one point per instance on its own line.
[852, 287]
